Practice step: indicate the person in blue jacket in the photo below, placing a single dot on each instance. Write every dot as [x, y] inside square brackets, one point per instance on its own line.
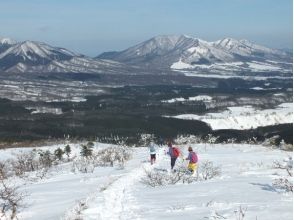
[152, 150]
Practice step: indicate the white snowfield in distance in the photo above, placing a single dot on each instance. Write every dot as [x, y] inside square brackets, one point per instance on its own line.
[194, 98]
[244, 117]
[237, 66]
[228, 74]
[246, 181]
[42, 110]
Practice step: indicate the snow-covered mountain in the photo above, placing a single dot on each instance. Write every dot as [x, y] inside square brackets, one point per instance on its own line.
[32, 53]
[161, 52]
[184, 52]
[32, 56]
[5, 43]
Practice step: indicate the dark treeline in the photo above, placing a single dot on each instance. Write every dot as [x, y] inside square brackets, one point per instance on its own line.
[131, 110]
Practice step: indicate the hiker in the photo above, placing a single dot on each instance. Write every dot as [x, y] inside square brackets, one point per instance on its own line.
[152, 151]
[161, 142]
[193, 159]
[174, 153]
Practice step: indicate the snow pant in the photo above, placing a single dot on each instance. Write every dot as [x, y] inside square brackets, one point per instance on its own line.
[152, 158]
[192, 167]
[172, 162]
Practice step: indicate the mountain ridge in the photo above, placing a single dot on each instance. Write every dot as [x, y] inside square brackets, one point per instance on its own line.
[34, 56]
[163, 52]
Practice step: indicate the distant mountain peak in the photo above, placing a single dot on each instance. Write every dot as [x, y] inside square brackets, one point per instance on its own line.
[29, 49]
[6, 40]
[34, 56]
[165, 50]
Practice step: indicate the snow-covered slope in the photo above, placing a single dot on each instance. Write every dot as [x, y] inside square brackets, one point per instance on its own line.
[245, 182]
[245, 117]
[32, 53]
[184, 52]
[32, 56]
[5, 43]
[248, 49]
[161, 52]
[6, 40]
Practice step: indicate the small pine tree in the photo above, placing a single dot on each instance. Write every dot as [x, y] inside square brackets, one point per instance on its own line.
[67, 150]
[90, 144]
[46, 159]
[58, 153]
[86, 151]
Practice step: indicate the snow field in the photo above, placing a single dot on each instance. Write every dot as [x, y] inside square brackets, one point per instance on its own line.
[245, 182]
[194, 98]
[244, 117]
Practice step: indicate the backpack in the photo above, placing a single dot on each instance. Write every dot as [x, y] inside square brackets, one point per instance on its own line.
[194, 158]
[176, 152]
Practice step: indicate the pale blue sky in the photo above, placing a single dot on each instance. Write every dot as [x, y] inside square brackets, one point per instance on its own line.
[93, 26]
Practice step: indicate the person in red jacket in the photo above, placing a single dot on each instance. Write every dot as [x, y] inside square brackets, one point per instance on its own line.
[174, 153]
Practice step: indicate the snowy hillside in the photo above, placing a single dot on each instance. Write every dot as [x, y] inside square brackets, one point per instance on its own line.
[5, 43]
[245, 117]
[184, 52]
[32, 56]
[244, 184]
[169, 52]
[6, 40]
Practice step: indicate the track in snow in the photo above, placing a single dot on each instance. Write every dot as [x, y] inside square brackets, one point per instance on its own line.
[116, 202]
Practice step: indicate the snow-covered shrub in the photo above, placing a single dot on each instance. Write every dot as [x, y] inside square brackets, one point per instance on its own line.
[182, 175]
[75, 213]
[208, 171]
[284, 182]
[25, 162]
[83, 165]
[157, 177]
[272, 141]
[231, 141]
[154, 178]
[211, 139]
[35, 160]
[110, 156]
[240, 213]
[11, 200]
[3, 171]
[42, 173]
[189, 139]
[285, 146]
[252, 141]
[106, 157]
[145, 139]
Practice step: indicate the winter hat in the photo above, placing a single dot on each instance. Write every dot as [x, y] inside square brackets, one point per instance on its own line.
[190, 148]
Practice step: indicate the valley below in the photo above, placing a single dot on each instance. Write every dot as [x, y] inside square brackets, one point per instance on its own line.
[81, 105]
